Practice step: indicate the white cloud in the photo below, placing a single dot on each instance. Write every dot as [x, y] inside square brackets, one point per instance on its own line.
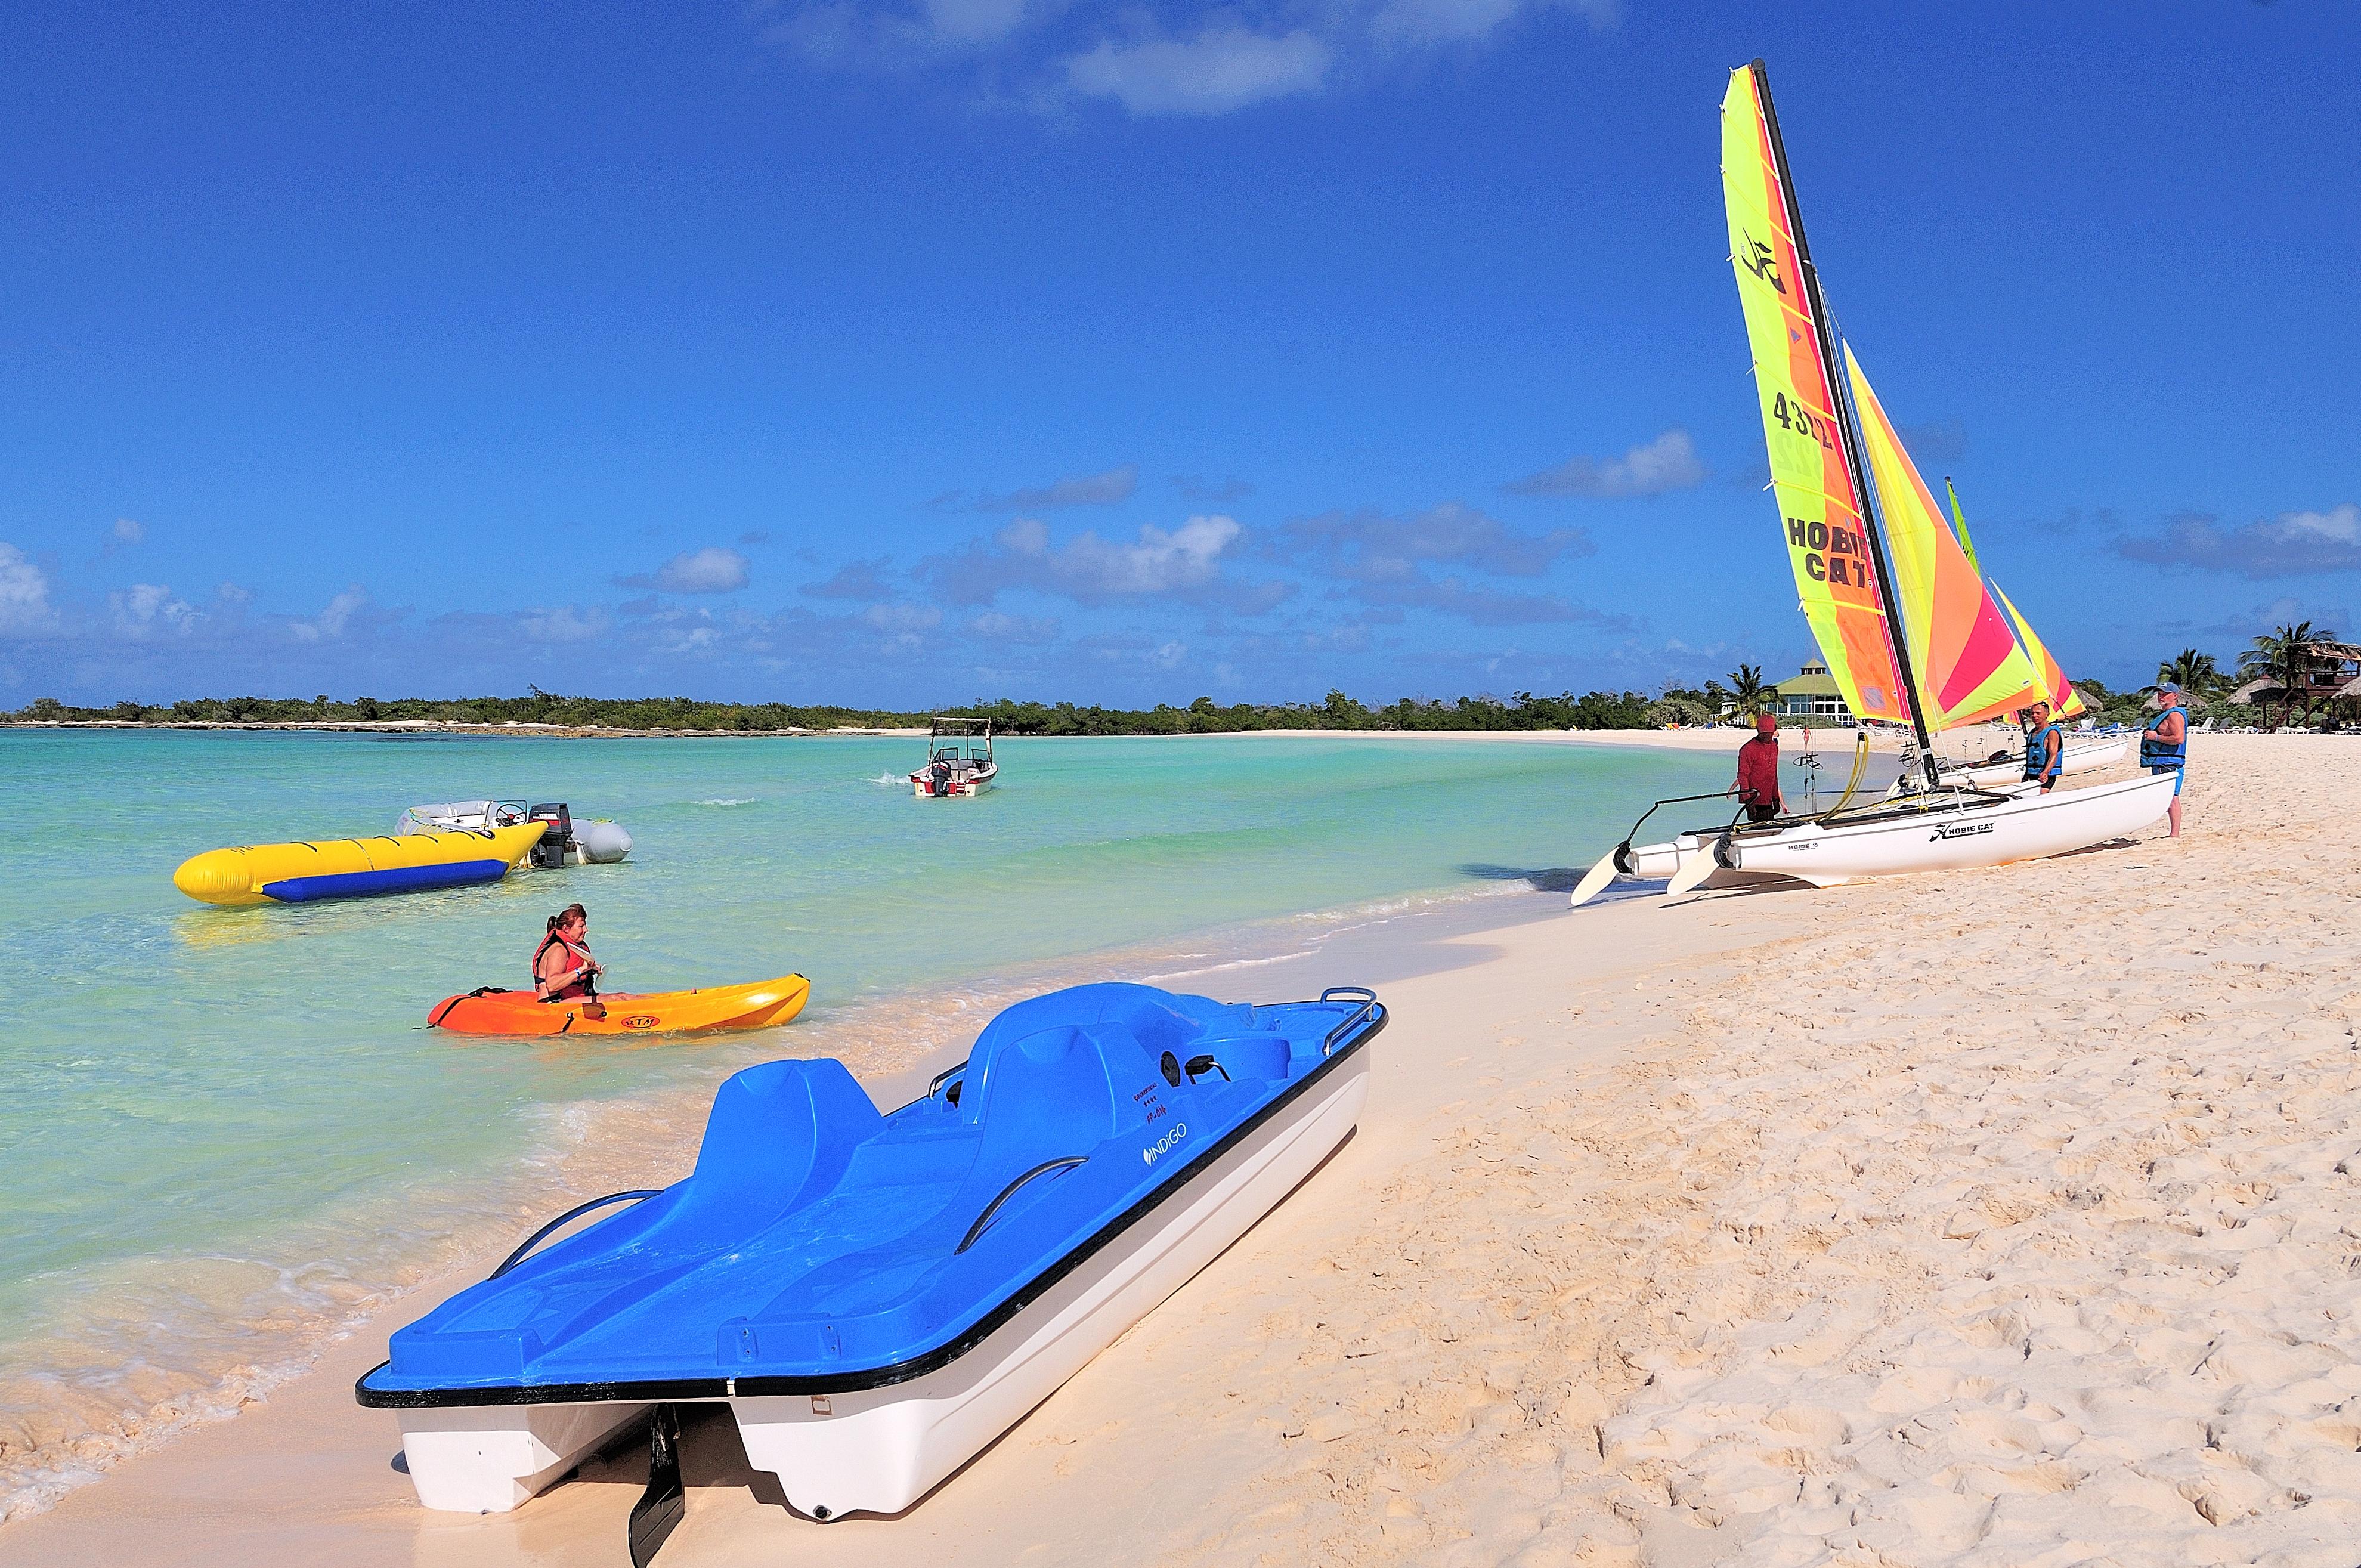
[853, 580]
[1370, 546]
[975, 21]
[1429, 21]
[1652, 468]
[24, 594]
[903, 619]
[1177, 58]
[1110, 489]
[1156, 563]
[147, 608]
[127, 531]
[1218, 70]
[330, 623]
[2292, 544]
[1002, 628]
[716, 569]
[567, 623]
[1185, 562]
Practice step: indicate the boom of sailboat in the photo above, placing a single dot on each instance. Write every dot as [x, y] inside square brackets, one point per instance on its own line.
[1912, 629]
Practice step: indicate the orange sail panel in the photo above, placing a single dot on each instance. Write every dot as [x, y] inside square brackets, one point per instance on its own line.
[1959, 642]
[1827, 545]
[2065, 702]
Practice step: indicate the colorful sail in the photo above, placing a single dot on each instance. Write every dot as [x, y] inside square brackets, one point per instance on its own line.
[1960, 643]
[1827, 545]
[1960, 524]
[2065, 702]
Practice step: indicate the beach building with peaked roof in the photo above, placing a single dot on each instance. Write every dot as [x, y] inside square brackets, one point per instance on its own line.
[1811, 693]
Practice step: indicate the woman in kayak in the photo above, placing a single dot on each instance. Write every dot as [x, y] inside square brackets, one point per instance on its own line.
[563, 968]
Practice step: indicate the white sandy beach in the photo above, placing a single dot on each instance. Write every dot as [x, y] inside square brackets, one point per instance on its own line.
[2006, 1217]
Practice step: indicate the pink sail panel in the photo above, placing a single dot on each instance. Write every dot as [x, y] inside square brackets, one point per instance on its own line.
[1957, 639]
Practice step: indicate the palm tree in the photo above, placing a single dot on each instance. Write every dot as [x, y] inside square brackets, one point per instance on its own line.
[1749, 695]
[2284, 658]
[2192, 671]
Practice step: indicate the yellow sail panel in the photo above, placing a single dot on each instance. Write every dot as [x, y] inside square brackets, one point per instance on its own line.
[2065, 702]
[1958, 640]
[1827, 545]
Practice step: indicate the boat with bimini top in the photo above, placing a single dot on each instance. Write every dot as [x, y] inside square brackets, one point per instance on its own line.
[875, 1296]
[959, 759]
[1912, 629]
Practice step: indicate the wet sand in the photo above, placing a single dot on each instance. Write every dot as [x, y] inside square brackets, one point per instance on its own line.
[1999, 1217]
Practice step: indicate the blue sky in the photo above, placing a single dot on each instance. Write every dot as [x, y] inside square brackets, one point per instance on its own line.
[909, 353]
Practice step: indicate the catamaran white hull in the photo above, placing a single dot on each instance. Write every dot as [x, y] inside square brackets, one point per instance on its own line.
[880, 1450]
[2027, 826]
[2088, 757]
[1935, 837]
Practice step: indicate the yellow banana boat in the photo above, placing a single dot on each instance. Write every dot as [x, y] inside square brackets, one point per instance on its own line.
[755, 1006]
[354, 868]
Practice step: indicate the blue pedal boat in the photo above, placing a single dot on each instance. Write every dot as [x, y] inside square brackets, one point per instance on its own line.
[876, 1296]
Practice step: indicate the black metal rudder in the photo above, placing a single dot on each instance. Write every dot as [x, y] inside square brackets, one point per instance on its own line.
[665, 1502]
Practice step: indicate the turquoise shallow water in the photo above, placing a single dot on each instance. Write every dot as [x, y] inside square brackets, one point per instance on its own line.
[225, 1130]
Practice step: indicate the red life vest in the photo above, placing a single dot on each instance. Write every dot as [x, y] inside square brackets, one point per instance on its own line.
[579, 965]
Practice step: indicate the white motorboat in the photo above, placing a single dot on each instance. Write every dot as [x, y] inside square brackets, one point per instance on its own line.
[959, 759]
[564, 841]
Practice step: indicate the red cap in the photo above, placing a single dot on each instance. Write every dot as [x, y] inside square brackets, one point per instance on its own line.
[1765, 722]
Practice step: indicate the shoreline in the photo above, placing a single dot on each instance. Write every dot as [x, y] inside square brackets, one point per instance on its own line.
[1970, 742]
[1990, 1216]
[893, 1041]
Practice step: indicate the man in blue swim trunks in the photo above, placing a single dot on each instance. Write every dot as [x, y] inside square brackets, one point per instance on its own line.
[2164, 744]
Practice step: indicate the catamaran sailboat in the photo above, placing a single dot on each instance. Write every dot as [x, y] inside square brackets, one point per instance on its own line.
[1913, 630]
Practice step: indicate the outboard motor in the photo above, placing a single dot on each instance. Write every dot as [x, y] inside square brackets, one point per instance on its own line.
[557, 836]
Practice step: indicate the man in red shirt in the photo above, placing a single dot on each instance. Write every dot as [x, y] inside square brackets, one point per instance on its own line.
[1757, 771]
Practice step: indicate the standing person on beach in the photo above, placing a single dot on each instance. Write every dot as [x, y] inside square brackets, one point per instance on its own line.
[1757, 771]
[2164, 744]
[2045, 750]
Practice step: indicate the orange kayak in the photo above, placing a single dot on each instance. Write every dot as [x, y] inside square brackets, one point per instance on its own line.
[754, 1007]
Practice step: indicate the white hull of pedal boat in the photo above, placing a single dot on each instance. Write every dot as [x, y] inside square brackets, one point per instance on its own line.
[1934, 834]
[879, 1449]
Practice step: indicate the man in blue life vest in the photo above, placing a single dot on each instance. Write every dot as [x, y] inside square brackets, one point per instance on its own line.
[2045, 750]
[2164, 744]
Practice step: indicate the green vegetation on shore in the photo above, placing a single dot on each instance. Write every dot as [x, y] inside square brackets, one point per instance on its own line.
[1594, 710]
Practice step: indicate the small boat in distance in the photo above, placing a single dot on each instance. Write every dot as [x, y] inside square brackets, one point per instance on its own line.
[875, 1296]
[959, 759]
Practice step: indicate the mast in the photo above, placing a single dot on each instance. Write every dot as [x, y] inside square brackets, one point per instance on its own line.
[1848, 427]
